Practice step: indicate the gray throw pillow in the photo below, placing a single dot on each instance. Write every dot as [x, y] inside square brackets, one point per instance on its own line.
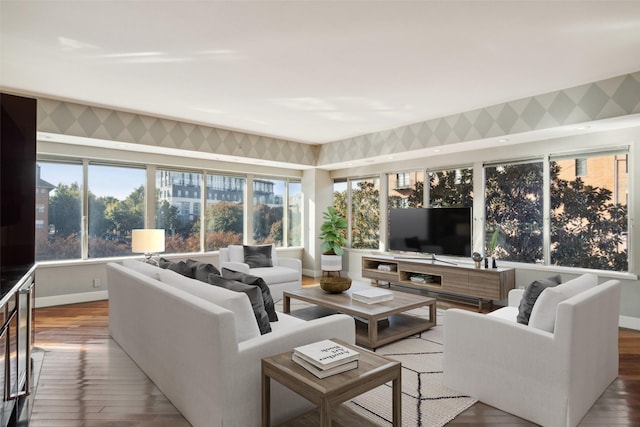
[258, 256]
[531, 294]
[201, 270]
[260, 283]
[180, 267]
[254, 294]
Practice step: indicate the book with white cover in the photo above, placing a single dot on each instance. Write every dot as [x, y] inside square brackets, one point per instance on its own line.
[323, 373]
[371, 296]
[326, 354]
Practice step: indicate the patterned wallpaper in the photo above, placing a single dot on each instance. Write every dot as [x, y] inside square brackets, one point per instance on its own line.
[67, 118]
[618, 96]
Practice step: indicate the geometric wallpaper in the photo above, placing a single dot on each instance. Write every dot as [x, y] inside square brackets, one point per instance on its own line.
[614, 97]
[68, 118]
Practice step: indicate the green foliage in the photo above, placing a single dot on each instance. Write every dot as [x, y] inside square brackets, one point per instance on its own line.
[513, 203]
[449, 189]
[65, 209]
[365, 216]
[587, 229]
[332, 232]
[225, 216]
[264, 217]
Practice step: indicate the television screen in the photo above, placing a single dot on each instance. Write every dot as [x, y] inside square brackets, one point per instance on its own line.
[438, 231]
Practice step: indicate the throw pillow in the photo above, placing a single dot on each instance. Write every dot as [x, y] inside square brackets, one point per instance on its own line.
[201, 270]
[258, 256]
[531, 294]
[254, 294]
[180, 267]
[248, 279]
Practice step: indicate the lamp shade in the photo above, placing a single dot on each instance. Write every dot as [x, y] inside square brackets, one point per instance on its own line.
[147, 241]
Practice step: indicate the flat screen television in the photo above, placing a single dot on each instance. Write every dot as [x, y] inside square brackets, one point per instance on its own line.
[435, 231]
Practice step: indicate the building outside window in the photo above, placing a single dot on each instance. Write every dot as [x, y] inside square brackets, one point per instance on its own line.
[174, 199]
[268, 211]
[406, 189]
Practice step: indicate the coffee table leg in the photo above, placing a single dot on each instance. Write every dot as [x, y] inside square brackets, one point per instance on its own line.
[266, 400]
[432, 313]
[397, 400]
[325, 414]
[286, 304]
[373, 333]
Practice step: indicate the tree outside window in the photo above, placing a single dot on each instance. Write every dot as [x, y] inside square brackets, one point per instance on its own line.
[294, 212]
[365, 213]
[406, 190]
[451, 188]
[224, 215]
[268, 211]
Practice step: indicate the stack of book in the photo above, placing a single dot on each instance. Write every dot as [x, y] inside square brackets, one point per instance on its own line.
[387, 267]
[372, 296]
[325, 358]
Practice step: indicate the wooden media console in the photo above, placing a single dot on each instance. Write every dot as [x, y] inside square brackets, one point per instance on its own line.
[492, 284]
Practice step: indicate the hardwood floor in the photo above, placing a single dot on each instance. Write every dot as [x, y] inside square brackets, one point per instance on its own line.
[88, 381]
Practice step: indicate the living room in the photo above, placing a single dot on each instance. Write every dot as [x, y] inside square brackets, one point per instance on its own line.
[577, 120]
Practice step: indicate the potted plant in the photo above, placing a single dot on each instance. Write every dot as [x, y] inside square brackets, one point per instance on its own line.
[332, 233]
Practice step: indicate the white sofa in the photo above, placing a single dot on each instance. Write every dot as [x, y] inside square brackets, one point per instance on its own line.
[201, 346]
[286, 273]
[550, 377]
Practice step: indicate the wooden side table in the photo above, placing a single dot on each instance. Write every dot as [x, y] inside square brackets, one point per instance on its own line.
[327, 393]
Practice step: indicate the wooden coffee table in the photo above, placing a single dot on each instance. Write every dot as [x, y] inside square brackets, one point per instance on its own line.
[376, 324]
[328, 393]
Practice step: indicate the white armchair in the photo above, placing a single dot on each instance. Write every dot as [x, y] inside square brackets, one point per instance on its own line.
[285, 273]
[549, 378]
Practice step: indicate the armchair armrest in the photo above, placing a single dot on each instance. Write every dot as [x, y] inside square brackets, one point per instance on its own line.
[293, 263]
[235, 266]
[515, 295]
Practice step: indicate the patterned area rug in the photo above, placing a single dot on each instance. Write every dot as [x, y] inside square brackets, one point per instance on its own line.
[425, 401]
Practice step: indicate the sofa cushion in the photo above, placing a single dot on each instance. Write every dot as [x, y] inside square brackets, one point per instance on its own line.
[201, 270]
[179, 267]
[236, 253]
[274, 275]
[249, 279]
[543, 315]
[238, 303]
[142, 267]
[254, 294]
[531, 294]
[257, 256]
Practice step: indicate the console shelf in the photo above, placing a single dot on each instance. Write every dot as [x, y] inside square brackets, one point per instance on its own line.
[464, 280]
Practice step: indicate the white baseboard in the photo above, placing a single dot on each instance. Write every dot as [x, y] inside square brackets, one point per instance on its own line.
[629, 322]
[71, 298]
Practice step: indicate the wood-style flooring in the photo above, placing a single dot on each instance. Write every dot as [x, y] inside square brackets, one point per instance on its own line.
[87, 380]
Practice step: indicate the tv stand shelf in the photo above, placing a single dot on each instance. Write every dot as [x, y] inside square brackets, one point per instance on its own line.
[465, 280]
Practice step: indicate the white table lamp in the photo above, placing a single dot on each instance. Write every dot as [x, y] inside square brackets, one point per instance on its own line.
[148, 241]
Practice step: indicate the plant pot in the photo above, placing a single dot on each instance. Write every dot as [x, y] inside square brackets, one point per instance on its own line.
[331, 262]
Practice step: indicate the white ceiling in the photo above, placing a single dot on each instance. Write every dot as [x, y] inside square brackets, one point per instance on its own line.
[311, 71]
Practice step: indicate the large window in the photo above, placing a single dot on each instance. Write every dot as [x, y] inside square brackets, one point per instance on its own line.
[268, 211]
[589, 225]
[116, 206]
[451, 188]
[224, 216]
[59, 222]
[513, 203]
[178, 209]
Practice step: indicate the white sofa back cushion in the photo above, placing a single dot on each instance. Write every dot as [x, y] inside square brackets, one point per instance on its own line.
[236, 302]
[543, 314]
[142, 267]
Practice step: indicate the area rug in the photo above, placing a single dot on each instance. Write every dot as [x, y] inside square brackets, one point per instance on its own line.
[425, 401]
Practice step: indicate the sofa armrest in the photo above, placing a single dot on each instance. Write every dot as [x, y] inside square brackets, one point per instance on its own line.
[515, 295]
[235, 266]
[293, 263]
